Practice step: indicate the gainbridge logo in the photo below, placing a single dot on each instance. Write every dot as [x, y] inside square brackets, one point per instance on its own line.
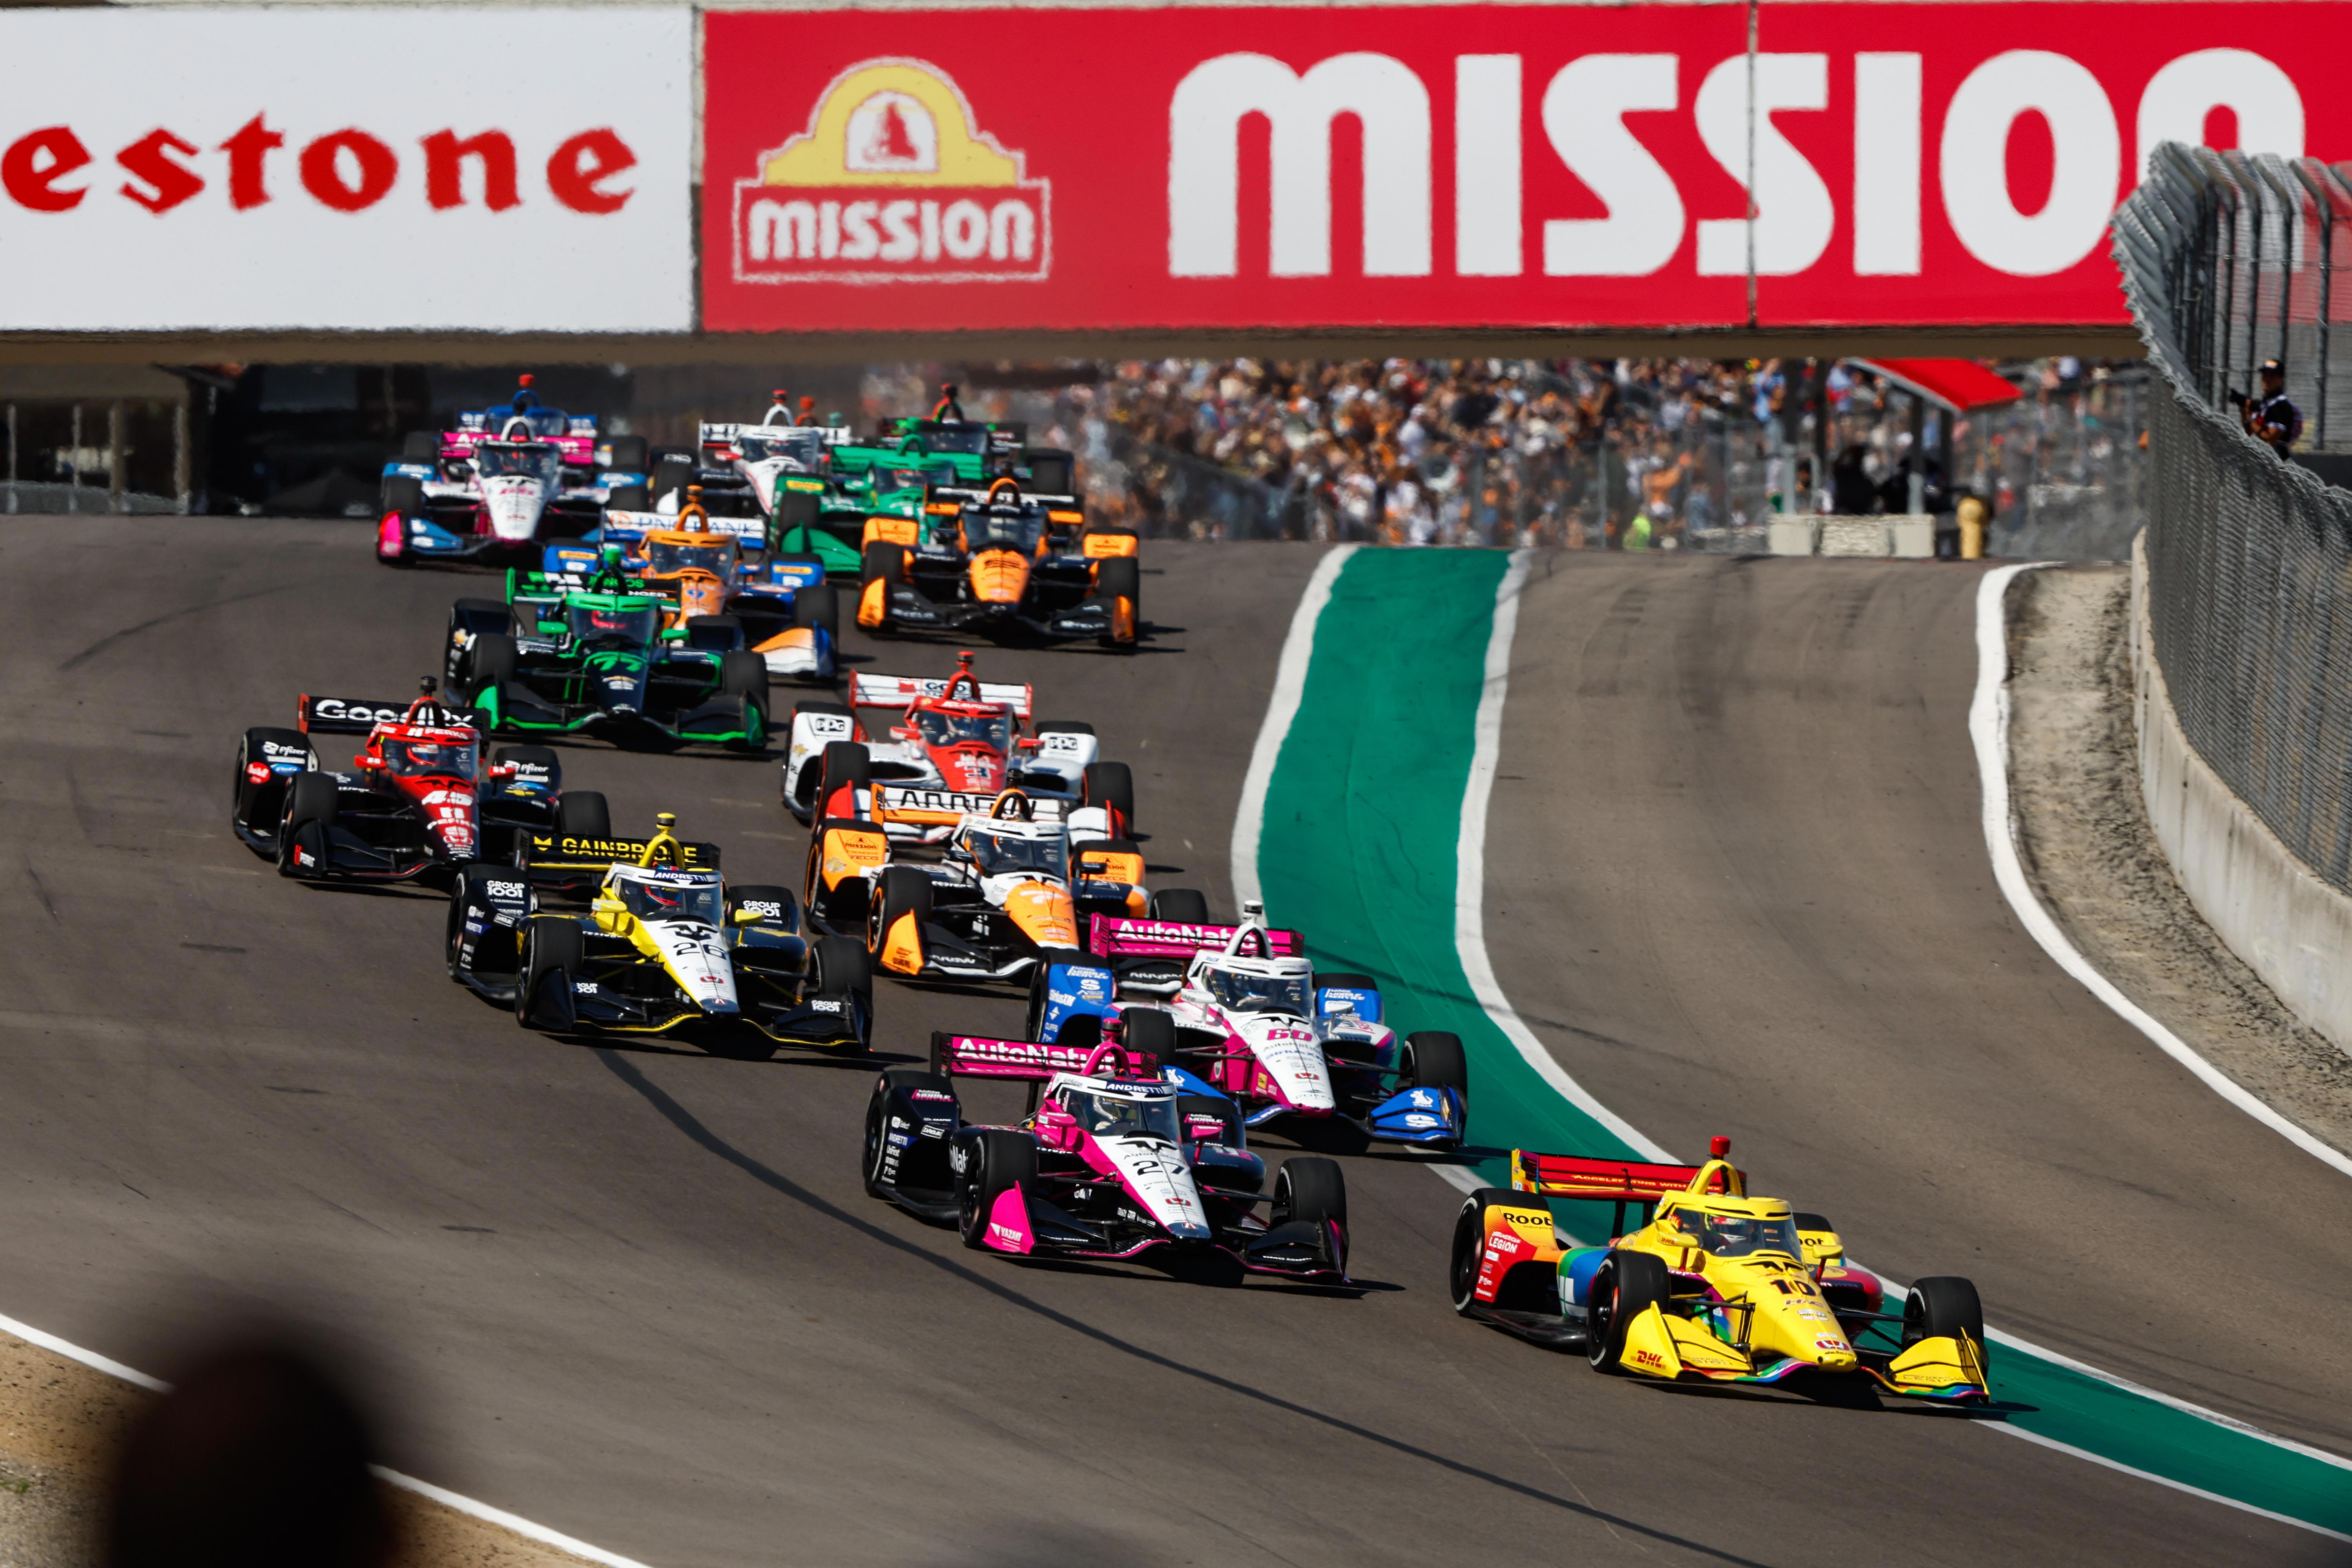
[892, 181]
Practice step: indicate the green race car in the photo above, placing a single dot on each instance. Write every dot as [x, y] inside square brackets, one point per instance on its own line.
[553, 659]
[886, 477]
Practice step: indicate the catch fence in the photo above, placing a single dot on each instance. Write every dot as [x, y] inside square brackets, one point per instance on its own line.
[2229, 260]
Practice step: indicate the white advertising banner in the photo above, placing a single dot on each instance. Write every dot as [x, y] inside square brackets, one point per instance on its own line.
[346, 170]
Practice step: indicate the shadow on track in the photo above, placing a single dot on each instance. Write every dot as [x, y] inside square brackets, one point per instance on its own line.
[677, 1116]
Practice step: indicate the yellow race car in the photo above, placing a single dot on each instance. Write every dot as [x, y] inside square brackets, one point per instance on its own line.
[1714, 1285]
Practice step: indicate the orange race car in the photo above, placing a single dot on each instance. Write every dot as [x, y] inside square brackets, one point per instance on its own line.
[1009, 563]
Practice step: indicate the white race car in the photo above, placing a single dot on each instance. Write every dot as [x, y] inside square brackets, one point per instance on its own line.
[958, 743]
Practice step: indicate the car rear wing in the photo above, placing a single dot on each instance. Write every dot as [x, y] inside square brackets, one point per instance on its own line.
[1033, 1061]
[359, 716]
[946, 807]
[1622, 1182]
[904, 690]
[946, 499]
[560, 852]
[715, 434]
[1115, 936]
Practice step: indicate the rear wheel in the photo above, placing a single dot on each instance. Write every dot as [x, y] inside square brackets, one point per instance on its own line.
[421, 446]
[1470, 1246]
[1111, 786]
[1945, 1305]
[1626, 1284]
[583, 814]
[998, 1160]
[1344, 982]
[1148, 1037]
[1185, 906]
[628, 497]
[671, 476]
[629, 453]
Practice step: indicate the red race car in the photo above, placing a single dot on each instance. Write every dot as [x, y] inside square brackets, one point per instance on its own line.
[421, 802]
[957, 746]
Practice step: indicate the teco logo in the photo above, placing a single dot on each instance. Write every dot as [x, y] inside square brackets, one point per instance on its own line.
[348, 171]
[892, 181]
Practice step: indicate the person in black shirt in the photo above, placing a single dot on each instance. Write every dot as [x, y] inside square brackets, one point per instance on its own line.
[2272, 417]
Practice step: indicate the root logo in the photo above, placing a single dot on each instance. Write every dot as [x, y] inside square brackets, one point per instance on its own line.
[892, 181]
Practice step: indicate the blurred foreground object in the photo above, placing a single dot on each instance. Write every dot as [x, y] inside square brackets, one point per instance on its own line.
[257, 1460]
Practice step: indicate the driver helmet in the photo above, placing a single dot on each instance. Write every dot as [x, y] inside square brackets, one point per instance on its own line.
[425, 753]
[609, 556]
[1731, 1229]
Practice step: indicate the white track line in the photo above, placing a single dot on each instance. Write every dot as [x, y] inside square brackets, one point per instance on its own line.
[465, 1505]
[1471, 945]
[1988, 730]
[1289, 682]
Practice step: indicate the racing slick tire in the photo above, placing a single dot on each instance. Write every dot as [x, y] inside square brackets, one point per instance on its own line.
[583, 814]
[996, 1160]
[1311, 1190]
[716, 633]
[843, 968]
[818, 606]
[489, 664]
[842, 765]
[795, 510]
[1185, 906]
[1118, 578]
[741, 674]
[894, 1081]
[1344, 982]
[310, 804]
[1112, 785]
[881, 565]
[672, 474]
[402, 496]
[1149, 1038]
[1434, 1059]
[1627, 1282]
[629, 454]
[465, 896]
[553, 953]
[1945, 1304]
[1065, 727]
[900, 892]
[1470, 1246]
[421, 446]
[628, 497]
[255, 803]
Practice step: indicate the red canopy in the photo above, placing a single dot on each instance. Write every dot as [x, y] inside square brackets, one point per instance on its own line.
[1955, 383]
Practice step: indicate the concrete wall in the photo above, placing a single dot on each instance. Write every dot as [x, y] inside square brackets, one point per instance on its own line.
[2291, 928]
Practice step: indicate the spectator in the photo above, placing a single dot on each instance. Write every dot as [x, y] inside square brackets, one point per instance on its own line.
[2272, 418]
[1851, 492]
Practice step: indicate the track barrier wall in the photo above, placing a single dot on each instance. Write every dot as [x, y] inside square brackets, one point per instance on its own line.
[2244, 625]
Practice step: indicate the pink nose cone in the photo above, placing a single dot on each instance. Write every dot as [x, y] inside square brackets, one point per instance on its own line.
[391, 537]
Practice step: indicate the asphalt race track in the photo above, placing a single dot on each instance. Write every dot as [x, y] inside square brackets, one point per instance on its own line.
[637, 1294]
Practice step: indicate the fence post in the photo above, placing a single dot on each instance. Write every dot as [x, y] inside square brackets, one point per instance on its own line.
[115, 456]
[183, 467]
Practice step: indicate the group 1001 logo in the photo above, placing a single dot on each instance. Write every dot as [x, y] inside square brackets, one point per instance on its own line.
[892, 181]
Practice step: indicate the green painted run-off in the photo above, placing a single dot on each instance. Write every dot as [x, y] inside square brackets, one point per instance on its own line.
[1362, 819]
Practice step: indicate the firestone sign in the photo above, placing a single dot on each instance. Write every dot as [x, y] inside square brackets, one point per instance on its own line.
[233, 170]
[1470, 166]
[892, 181]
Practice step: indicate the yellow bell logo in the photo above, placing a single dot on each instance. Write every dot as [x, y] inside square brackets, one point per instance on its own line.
[893, 181]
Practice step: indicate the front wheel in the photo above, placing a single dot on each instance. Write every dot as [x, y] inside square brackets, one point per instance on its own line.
[1469, 1252]
[996, 1161]
[1627, 1284]
[1945, 1305]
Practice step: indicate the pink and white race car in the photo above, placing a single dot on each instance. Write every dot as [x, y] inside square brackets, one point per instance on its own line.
[1249, 1016]
[1119, 1158]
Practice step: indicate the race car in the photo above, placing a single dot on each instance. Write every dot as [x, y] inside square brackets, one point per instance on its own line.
[421, 803]
[503, 480]
[1008, 894]
[788, 614]
[1713, 1285]
[1309, 1051]
[773, 473]
[957, 743]
[1118, 1159]
[667, 946]
[1014, 563]
[557, 661]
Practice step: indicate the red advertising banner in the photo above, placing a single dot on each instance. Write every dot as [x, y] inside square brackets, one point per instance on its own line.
[1467, 166]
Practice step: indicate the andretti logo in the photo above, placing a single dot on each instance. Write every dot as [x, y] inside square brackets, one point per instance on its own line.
[892, 181]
